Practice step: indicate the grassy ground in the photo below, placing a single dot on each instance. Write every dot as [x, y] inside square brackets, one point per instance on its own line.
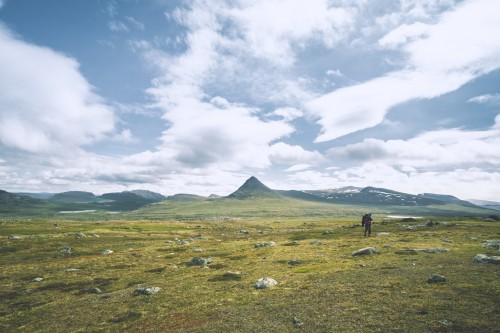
[329, 290]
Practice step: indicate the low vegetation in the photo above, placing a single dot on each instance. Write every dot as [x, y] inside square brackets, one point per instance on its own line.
[320, 284]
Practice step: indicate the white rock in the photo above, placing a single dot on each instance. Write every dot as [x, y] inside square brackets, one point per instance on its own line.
[366, 251]
[148, 290]
[265, 282]
[483, 258]
[38, 279]
[107, 252]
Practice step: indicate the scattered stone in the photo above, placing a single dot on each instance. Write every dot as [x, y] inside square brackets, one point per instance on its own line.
[205, 267]
[244, 232]
[492, 244]
[200, 261]
[265, 282]
[183, 242]
[436, 278]
[329, 232]
[264, 244]
[428, 235]
[445, 322]
[383, 233]
[37, 279]
[432, 250]
[105, 252]
[366, 251]
[95, 290]
[14, 237]
[294, 262]
[80, 235]
[447, 241]
[315, 242]
[296, 322]
[148, 290]
[69, 270]
[197, 249]
[483, 258]
[66, 250]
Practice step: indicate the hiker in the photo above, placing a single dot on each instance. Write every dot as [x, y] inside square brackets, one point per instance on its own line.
[367, 223]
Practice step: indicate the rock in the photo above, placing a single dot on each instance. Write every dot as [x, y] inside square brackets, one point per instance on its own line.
[264, 244]
[69, 270]
[105, 252]
[492, 244]
[66, 250]
[199, 261]
[148, 290]
[182, 242]
[37, 279]
[14, 237]
[296, 322]
[382, 233]
[95, 290]
[315, 242]
[197, 250]
[264, 283]
[80, 235]
[483, 258]
[447, 241]
[244, 232]
[294, 262]
[432, 250]
[366, 251]
[329, 232]
[436, 278]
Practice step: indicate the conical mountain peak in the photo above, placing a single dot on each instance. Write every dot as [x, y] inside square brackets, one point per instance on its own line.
[253, 188]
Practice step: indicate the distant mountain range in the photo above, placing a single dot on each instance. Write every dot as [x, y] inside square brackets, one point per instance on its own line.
[31, 203]
[28, 203]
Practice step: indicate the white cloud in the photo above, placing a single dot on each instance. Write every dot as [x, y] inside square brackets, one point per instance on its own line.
[489, 99]
[334, 72]
[134, 23]
[289, 154]
[443, 149]
[288, 113]
[117, 26]
[45, 103]
[298, 167]
[403, 34]
[436, 65]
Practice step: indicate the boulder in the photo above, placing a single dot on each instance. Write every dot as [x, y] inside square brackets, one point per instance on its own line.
[66, 250]
[483, 258]
[366, 251]
[436, 278]
[148, 290]
[14, 237]
[265, 283]
[200, 261]
[264, 244]
[492, 244]
[105, 252]
[432, 250]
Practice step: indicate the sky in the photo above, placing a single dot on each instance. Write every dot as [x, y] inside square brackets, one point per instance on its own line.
[197, 96]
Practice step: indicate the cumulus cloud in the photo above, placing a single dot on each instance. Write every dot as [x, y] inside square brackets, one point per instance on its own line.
[291, 154]
[437, 150]
[46, 104]
[436, 65]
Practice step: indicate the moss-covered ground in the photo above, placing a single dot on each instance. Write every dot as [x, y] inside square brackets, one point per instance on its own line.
[327, 288]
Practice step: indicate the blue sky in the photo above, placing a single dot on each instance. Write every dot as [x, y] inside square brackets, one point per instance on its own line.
[196, 96]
